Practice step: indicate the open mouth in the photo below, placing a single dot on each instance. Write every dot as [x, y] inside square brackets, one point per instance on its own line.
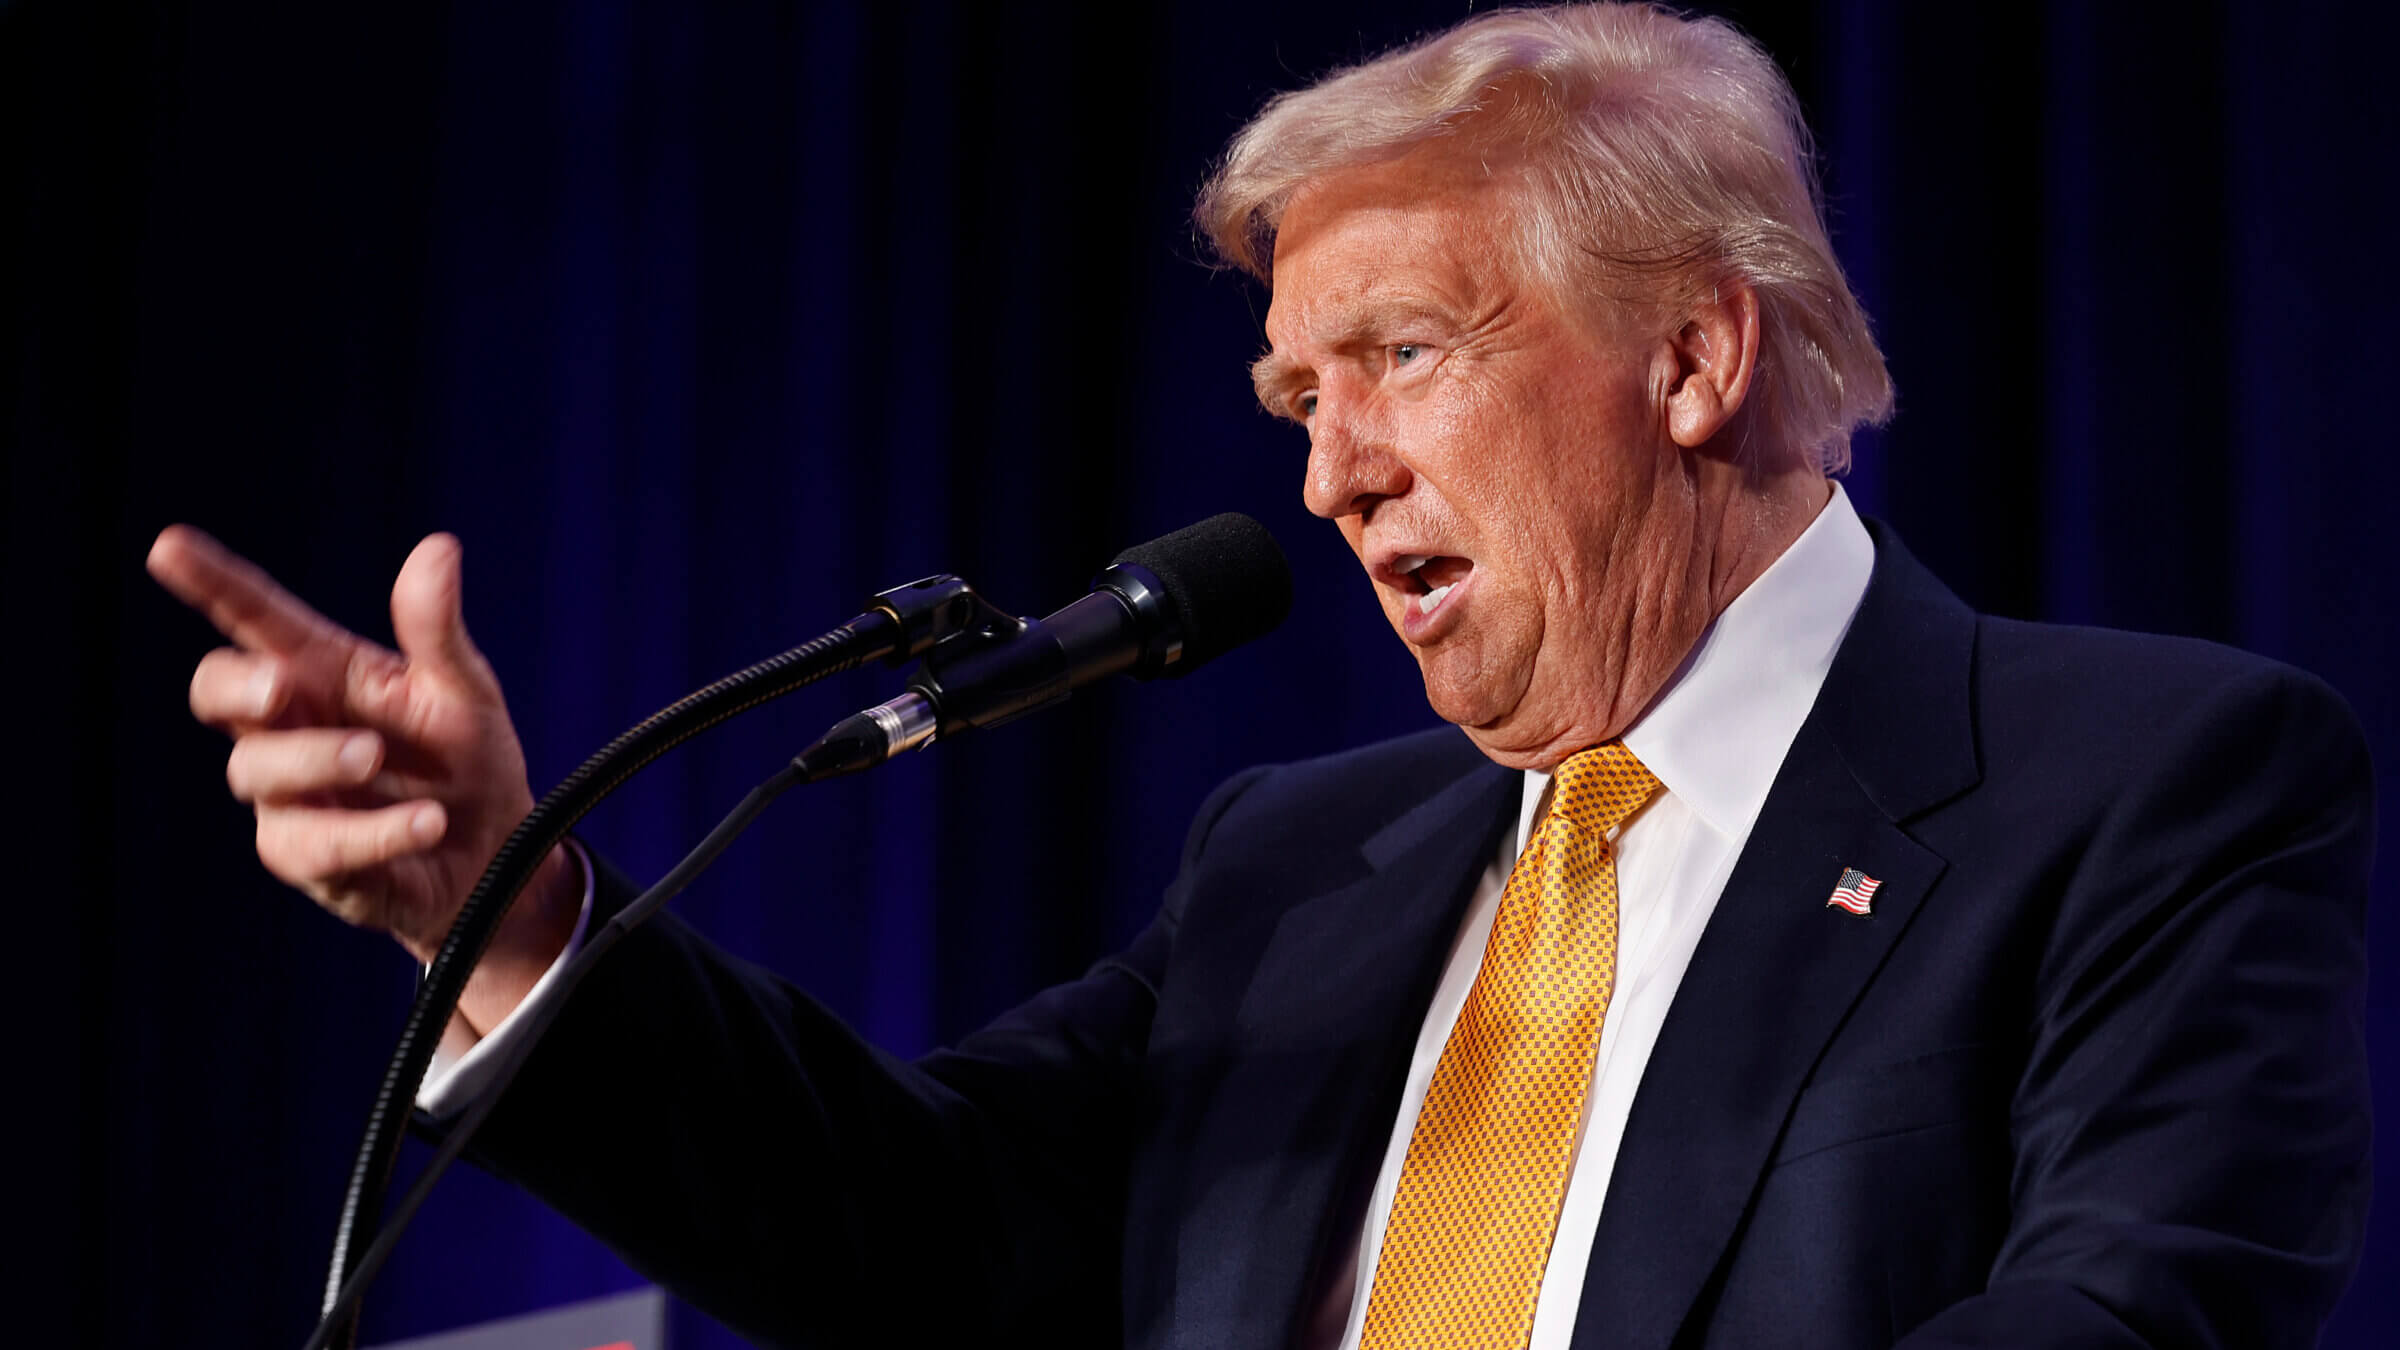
[1432, 576]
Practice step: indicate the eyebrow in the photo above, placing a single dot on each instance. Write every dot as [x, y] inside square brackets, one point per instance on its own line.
[1271, 378]
[1274, 375]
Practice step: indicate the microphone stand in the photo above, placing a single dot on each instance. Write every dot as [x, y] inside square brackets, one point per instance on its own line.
[982, 667]
[900, 624]
[340, 1315]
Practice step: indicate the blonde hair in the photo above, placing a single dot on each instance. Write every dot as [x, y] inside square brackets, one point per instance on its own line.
[1661, 157]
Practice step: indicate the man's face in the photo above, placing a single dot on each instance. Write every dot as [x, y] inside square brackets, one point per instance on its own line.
[1496, 460]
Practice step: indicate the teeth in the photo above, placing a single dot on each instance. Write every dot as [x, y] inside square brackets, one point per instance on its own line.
[1432, 600]
[1410, 562]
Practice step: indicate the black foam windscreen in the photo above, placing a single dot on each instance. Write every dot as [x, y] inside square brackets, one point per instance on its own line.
[1226, 580]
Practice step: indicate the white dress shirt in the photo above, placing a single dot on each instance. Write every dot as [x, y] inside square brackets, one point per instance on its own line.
[1715, 739]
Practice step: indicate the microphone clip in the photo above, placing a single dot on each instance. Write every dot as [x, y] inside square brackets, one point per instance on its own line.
[931, 610]
[961, 637]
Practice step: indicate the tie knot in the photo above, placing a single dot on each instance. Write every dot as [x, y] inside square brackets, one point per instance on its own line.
[1597, 789]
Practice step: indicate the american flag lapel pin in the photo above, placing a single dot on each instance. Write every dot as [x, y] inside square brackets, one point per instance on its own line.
[1855, 892]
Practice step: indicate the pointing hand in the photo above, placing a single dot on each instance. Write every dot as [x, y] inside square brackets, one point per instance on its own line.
[383, 781]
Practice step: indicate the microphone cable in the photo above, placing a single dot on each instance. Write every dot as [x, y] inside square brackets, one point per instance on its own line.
[340, 1312]
[876, 634]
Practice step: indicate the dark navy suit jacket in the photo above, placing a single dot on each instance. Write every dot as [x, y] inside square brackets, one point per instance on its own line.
[2090, 1074]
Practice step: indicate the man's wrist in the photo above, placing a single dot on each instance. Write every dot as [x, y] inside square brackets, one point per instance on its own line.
[538, 928]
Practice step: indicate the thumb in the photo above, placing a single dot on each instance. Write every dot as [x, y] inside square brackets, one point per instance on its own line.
[428, 614]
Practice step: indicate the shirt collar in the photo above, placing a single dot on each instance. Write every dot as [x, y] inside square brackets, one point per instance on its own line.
[1717, 736]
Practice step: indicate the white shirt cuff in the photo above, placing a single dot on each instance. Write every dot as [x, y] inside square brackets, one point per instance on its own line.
[451, 1081]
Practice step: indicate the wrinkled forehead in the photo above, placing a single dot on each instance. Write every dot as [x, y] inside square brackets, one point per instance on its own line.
[1421, 229]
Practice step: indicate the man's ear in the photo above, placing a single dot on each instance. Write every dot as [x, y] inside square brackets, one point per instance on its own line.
[1716, 353]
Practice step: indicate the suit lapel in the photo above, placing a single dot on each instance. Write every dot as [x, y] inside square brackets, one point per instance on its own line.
[1773, 975]
[1323, 1034]
[1777, 971]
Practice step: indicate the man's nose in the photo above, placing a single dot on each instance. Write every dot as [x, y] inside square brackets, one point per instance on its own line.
[1351, 464]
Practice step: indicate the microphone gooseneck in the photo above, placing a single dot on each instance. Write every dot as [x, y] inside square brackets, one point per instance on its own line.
[879, 633]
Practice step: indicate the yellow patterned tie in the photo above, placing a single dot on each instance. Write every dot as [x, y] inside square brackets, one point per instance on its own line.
[1487, 1164]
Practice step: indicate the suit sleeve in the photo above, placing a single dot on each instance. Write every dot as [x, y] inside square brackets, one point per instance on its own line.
[2191, 1130]
[738, 1143]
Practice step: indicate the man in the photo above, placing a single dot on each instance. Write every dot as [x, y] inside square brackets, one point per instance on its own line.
[1783, 955]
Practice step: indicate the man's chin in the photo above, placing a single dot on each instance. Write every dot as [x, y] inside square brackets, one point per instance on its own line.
[1510, 751]
[1501, 728]
[1486, 719]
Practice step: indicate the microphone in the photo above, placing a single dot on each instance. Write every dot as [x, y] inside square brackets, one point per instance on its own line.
[1162, 610]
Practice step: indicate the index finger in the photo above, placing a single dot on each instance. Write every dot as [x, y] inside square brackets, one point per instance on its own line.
[243, 602]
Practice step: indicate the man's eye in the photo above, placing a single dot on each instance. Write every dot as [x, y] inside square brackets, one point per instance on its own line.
[1405, 353]
[1307, 403]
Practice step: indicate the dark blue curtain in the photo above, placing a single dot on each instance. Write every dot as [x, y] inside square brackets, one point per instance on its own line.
[700, 322]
